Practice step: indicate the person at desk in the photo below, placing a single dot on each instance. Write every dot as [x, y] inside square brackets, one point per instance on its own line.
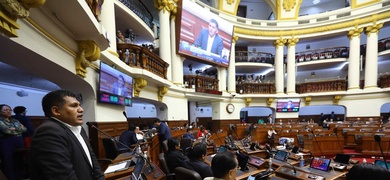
[209, 40]
[140, 135]
[202, 132]
[128, 137]
[197, 155]
[174, 156]
[368, 171]
[224, 166]
[10, 139]
[188, 134]
[20, 115]
[162, 130]
[60, 147]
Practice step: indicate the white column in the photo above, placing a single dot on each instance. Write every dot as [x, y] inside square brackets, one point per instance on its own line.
[371, 69]
[279, 71]
[221, 79]
[107, 20]
[291, 73]
[176, 68]
[165, 40]
[354, 59]
[232, 67]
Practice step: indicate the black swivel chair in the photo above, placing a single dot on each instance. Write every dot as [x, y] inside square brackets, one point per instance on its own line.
[111, 148]
[164, 167]
[183, 173]
[185, 143]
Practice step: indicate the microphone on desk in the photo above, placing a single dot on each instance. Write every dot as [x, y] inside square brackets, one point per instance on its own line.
[149, 166]
[240, 140]
[319, 147]
[293, 167]
[338, 142]
[378, 140]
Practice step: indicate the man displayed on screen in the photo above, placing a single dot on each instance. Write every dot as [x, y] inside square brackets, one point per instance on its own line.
[119, 87]
[289, 105]
[209, 40]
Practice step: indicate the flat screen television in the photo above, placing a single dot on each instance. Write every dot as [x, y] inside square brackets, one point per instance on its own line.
[115, 87]
[195, 27]
[288, 105]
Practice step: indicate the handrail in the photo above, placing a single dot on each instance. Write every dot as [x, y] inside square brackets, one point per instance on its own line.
[140, 9]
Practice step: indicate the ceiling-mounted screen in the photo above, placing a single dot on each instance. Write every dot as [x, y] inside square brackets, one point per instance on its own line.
[203, 35]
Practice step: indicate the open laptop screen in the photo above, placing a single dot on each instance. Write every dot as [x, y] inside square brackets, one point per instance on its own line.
[320, 163]
[138, 168]
[379, 162]
[281, 155]
[342, 158]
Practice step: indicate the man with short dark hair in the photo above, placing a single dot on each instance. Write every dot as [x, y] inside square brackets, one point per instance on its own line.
[60, 148]
[163, 131]
[128, 137]
[174, 157]
[209, 40]
[20, 115]
[224, 166]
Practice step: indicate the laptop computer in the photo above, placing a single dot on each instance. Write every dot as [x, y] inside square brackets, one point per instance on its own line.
[139, 166]
[281, 155]
[242, 161]
[321, 164]
[342, 158]
[222, 148]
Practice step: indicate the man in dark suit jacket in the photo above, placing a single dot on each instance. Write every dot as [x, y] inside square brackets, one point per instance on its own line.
[60, 148]
[162, 130]
[216, 45]
[128, 137]
[119, 87]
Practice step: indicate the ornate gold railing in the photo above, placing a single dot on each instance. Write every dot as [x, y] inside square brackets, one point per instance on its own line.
[255, 88]
[202, 84]
[141, 57]
[322, 86]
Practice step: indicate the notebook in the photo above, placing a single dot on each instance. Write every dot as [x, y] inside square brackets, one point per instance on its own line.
[342, 158]
[139, 166]
[281, 155]
[320, 163]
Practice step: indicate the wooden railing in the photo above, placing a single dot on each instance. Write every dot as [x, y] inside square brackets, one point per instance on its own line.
[95, 6]
[256, 57]
[384, 81]
[322, 86]
[202, 84]
[142, 57]
[323, 53]
[255, 88]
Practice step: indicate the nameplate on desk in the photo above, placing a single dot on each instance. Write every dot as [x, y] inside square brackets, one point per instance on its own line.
[118, 167]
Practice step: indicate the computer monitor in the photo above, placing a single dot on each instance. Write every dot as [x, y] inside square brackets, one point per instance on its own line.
[222, 149]
[281, 155]
[379, 162]
[139, 166]
[242, 161]
[342, 158]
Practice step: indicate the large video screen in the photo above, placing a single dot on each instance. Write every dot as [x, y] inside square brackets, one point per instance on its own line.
[204, 35]
[115, 87]
[288, 105]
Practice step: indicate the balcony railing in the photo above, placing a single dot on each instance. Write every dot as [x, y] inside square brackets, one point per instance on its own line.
[255, 88]
[384, 80]
[202, 84]
[257, 57]
[322, 86]
[320, 54]
[139, 8]
[142, 57]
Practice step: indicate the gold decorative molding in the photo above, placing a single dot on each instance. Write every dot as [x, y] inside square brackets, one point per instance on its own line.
[354, 32]
[139, 84]
[336, 99]
[317, 29]
[279, 42]
[11, 10]
[88, 51]
[166, 5]
[161, 92]
[247, 101]
[269, 101]
[230, 1]
[373, 29]
[307, 100]
[288, 5]
[292, 41]
[235, 38]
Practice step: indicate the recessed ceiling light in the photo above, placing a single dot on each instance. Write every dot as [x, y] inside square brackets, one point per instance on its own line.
[316, 1]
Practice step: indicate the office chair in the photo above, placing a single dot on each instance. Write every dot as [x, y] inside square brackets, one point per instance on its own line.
[111, 148]
[183, 173]
[164, 145]
[185, 143]
[164, 167]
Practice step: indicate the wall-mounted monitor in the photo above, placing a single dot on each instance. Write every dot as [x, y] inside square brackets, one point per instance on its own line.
[203, 35]
[288, 105]
[115, 87]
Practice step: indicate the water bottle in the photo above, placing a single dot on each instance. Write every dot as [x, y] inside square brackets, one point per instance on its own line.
[302, 162]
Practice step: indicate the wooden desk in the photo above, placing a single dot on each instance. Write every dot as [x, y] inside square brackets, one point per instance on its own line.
[303, 173]
[122, 157]
[155, 174]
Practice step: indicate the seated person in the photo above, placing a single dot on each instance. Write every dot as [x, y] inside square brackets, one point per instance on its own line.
[202, 132]
[197, 155]
[128, 137]
[174, 156]
[368, 171]
[188, 134]
[139, 133]
[224, 166]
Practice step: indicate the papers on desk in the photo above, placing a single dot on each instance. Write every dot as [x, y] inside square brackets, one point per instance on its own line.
[118, 167]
